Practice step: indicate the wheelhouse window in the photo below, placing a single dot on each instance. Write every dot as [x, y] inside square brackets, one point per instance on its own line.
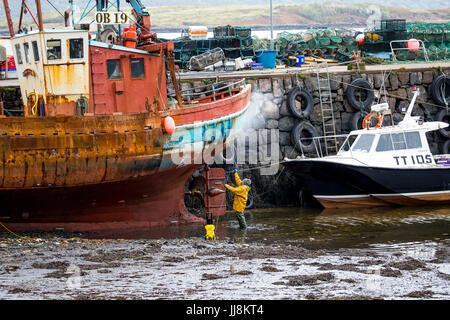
[364, 143]
[113, 68]
[384, 143]
[348, 143]
[53, 49]
[413, 140]
[35, 50]
[399, 141]
[18, 54]
[137, 68]
[76, 48]
[26, 49]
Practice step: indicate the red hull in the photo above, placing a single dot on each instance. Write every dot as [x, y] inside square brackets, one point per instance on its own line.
[125, 206]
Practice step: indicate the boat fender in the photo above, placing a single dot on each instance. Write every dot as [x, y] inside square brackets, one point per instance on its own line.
[356, 122]
[443, 116]
[368, 118]
[356, 86]
[445, 147]
[300, 103]
[302, 137]
[441, 87]
[169, 125]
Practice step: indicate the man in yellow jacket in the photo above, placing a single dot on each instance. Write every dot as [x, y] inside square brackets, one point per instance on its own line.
[240, 198]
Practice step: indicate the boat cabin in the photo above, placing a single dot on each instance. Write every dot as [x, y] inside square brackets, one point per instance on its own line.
[63, 72]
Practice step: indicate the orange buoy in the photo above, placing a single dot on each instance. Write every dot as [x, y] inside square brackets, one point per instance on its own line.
[413, 45]
[169, 125]
[360, 39]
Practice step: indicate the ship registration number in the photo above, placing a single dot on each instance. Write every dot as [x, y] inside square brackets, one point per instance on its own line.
[103, 17]
[413, 159]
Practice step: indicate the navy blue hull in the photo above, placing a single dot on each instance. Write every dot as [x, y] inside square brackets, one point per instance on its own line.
[334, 181]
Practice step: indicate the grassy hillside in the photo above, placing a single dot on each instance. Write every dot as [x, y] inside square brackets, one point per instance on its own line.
[333, 13]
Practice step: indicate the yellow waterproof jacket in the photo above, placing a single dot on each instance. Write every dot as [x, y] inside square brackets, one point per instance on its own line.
[240, 194]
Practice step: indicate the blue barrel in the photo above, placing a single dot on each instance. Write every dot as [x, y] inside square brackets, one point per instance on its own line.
[300, 60]
[267, 58]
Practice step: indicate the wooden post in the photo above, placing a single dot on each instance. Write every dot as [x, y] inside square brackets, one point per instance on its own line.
[1, 108]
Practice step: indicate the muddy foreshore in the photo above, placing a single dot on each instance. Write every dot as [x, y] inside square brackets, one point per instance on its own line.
[54, 267]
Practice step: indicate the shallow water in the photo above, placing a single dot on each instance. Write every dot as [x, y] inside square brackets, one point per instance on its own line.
[318, 228]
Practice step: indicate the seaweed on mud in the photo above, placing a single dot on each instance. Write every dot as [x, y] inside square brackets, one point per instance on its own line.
[341, 267]
[243, 272]
[117, 255]
[389, 272]
[51, 265]
[302, 280]
[173, 259]
[270, 269]
[18, 290]
[408, 264]
[420, 294]
[209, 276]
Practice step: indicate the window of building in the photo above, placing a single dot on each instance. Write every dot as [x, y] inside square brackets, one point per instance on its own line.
[18, 54]
[35, 50]
[113, 67]
[385, 143]
[76, 48]
[364, 143]
[137, 68]
[413, 140]
[26, 49]
[53, 49]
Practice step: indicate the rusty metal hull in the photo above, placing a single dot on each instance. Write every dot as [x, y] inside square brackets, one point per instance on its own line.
[134, 204]
[97, 173]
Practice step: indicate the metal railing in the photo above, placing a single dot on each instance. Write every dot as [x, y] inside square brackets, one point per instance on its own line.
[212, 89]
[422, 47]
[319, 145]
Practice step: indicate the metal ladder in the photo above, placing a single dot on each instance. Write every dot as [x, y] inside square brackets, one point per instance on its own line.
[326, 106]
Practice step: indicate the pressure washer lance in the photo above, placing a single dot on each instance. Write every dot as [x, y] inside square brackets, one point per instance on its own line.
[209, 227]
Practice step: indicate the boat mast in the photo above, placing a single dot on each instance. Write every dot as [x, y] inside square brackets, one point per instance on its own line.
[8, 18]
[39, 14]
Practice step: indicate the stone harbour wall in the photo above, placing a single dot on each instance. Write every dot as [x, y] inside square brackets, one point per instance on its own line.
[271, 93]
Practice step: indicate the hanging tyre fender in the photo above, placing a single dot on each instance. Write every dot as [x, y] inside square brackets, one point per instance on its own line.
[443, 116]
[441, 81]
[250, 200]
[302, 137]
[445, 147]
[300, 103]
[358, 84]
[356, 122]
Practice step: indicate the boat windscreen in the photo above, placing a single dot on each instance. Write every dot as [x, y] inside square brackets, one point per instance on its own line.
[348, 143]
[364, 143]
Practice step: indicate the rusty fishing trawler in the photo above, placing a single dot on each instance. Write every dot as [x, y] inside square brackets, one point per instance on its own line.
[93, 149]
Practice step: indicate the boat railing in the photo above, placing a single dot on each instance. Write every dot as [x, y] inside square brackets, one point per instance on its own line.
[211, 89]
[321, 146]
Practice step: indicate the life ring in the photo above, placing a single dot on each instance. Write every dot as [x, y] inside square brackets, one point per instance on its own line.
[355, 86]
[369, 117]
[439, 87]
[300, 103]
[443, 116]
[302, 137]
[357, 120]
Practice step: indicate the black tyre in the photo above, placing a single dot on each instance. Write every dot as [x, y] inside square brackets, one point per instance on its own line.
[440, 88]
[250, 200]
[357, 120]
[445, 147]
[302, 137]
[300, 103]
[359, 90]
[444, 117]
